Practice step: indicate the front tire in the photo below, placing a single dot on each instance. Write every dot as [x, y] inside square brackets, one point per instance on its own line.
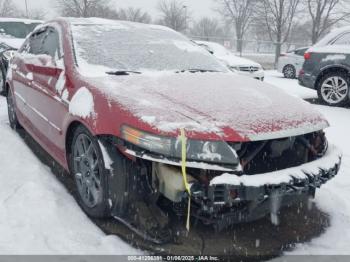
[88, 169]
[333, 89]
[289, 72]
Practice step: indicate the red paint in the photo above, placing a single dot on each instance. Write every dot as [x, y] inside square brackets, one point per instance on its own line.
[40, 93]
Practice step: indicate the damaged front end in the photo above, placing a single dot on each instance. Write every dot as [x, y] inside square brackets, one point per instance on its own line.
[236, 182]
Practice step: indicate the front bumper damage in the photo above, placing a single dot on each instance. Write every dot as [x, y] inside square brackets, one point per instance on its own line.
[232, 197]
[261, 192]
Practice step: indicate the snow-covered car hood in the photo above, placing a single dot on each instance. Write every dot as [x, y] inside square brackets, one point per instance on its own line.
[13, 42]
[232, 107]
[233, 61]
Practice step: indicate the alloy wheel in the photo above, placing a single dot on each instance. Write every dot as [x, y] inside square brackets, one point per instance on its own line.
[334, 89]
[87, 171]
[289, 72]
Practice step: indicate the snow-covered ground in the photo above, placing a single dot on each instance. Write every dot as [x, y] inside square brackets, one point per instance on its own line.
[290, 86]
[39, 216]
[334, 197]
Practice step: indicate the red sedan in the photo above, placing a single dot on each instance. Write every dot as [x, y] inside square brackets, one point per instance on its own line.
[150, 124]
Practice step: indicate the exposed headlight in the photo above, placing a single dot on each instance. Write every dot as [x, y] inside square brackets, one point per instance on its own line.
[197, 150]
[153, 143]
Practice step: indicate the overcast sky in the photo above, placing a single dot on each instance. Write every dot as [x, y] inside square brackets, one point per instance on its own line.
[198, 8]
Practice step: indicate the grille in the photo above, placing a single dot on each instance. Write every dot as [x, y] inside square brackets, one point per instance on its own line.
[219, 194]
[249, 68]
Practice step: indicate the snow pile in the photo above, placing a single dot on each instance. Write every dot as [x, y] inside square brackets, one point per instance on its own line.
[82, 103]
[30, 76]
[38, 60]
[290, 86]
[61, 82]
[285, 176]
[38, 215]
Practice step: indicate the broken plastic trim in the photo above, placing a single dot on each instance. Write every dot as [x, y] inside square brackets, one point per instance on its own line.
[189, 164]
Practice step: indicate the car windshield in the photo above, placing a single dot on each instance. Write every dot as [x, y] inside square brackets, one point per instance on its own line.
[136, 47]
[16, 29]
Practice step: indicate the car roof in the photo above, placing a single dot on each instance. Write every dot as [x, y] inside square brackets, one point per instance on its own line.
[332, 35]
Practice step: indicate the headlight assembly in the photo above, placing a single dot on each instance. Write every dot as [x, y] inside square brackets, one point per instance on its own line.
[201, 151]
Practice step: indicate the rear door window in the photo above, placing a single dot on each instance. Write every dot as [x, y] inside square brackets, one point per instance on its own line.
[343, 40]
[300, 52]
[35, 43]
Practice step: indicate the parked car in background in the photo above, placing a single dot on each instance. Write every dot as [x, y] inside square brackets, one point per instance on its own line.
[337, 36]
[327, 68]
[290, 63]
[13, 32]
[241, 65]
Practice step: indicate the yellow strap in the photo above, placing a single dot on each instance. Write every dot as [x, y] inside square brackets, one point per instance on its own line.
[184, 175]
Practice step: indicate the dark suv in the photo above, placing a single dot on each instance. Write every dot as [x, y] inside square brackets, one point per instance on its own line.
[327, 69]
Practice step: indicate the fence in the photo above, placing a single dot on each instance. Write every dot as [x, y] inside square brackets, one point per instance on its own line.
[251, 46]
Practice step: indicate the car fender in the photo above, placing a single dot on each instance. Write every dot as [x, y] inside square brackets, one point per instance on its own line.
[329, 67]
[338, 65]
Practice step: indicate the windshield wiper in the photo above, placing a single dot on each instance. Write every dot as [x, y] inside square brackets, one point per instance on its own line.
[122, 72]
[197, 70]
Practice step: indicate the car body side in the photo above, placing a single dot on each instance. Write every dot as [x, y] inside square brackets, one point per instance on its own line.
[322, 61]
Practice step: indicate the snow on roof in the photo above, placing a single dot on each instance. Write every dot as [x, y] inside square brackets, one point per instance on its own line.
[333, 49]
[333, 34]
[102, 21]
[23, 20]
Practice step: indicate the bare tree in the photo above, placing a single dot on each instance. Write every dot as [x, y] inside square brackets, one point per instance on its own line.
[37, 14]
[134, 14]
[207, 29]
[81, 8]
[7, 8]
[279, 16]
[240, 12]
[324, 14]
[173, 14]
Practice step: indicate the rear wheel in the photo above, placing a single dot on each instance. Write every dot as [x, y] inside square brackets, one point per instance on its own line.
[87, 166]
[289, 71]
[11, 110]
[333, 89]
